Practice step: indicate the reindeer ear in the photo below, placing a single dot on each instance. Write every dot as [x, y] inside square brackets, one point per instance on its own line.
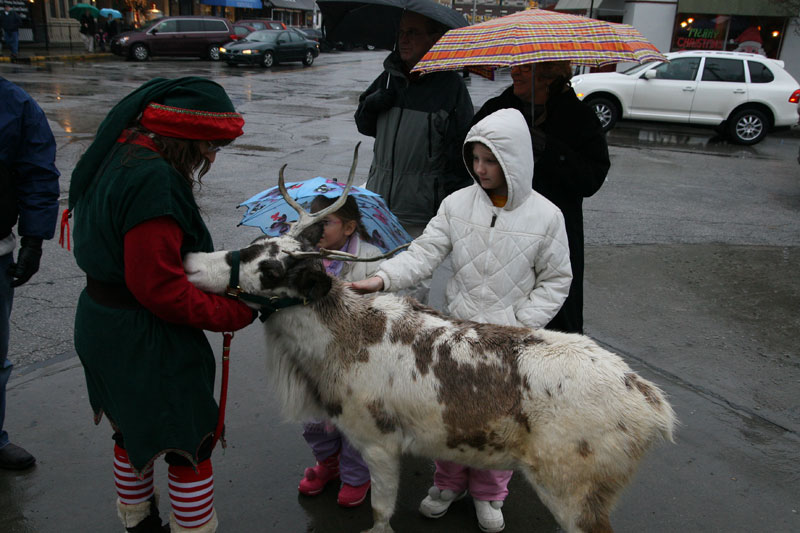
[311, 235]
[313, 283]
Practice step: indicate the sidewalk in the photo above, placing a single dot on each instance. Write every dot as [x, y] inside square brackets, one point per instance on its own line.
[37, 52]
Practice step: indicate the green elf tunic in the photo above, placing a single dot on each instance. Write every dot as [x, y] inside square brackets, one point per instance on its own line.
[153, 379]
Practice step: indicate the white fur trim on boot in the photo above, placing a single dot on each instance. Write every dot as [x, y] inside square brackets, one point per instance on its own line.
[131, 515]
[490, 517]
[208, 527]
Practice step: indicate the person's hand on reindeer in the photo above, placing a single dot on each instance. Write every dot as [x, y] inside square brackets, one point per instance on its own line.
[373, 284]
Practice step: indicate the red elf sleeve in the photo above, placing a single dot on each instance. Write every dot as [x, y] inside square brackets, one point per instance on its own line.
[154, 274]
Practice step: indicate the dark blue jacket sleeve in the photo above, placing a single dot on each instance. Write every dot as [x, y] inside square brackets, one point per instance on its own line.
[28, 151]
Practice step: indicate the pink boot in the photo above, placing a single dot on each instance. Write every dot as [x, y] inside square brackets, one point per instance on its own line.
[315, 479]
[352, 496]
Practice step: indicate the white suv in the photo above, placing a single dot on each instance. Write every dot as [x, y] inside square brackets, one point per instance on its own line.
[744, 95]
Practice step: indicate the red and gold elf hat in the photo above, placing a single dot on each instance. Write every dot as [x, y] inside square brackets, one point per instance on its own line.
[197, 111]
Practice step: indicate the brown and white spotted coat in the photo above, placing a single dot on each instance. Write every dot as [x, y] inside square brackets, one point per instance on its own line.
[398, 377]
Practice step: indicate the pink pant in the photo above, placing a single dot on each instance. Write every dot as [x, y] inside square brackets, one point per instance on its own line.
[486, 485]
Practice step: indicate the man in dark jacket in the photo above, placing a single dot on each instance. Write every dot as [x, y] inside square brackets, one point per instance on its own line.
[10, 24]
[419, 123]
[571, 158]
[29, 200]
[88, 29]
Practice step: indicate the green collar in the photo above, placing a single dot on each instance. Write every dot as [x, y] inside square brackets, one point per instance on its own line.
[267, 305]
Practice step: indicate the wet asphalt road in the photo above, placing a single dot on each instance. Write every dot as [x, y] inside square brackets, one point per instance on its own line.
[692, 259]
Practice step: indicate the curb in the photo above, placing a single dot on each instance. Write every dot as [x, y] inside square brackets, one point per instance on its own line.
[66, 57]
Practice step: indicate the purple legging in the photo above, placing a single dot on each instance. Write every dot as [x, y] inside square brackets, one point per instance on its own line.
[325, 440]
[486, 485]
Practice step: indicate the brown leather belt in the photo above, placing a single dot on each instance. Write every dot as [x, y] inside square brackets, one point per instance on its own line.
[115, 295]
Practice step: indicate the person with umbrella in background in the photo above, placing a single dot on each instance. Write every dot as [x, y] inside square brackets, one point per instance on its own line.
[88, 29]
[112, 28]
[418, 123]
[570, 153]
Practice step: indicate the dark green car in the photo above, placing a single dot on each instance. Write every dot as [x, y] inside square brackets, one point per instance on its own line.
[267, 47]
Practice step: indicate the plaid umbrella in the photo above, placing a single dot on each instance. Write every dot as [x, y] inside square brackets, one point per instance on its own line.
[536, 35]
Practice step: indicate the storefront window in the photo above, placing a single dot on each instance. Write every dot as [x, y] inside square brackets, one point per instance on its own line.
[738, 33]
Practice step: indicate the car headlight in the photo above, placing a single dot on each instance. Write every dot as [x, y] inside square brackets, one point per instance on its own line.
[222, 49]
[123, 40]
[576, 81]
[247, 52]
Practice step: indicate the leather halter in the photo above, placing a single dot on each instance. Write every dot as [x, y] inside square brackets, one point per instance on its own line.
[267, 305]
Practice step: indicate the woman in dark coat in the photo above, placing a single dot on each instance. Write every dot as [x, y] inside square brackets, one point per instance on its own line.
[571, 158]
[139, 322]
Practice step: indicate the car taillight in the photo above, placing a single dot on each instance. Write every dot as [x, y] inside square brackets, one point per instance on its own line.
[795, 97]
[234, 37]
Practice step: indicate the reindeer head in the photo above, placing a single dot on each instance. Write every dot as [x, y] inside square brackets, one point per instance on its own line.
[285, 266]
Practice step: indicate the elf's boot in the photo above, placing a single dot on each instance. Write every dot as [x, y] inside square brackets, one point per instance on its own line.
[141, 517]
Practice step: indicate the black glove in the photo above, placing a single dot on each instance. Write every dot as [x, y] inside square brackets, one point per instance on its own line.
[380, 100]
[30, 252]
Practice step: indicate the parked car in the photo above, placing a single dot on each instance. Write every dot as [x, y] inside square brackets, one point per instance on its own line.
[743, 95]
[175, 36]
[242, 29]
[263, 24]
[315, 35]
[267, 47]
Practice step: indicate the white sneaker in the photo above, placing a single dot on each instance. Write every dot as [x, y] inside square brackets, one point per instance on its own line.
[490, 517]
[437, 502]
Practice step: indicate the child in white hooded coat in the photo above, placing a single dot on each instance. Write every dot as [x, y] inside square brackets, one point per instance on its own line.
[511, 267]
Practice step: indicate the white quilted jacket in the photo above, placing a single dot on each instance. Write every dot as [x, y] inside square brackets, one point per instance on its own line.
[511, 264]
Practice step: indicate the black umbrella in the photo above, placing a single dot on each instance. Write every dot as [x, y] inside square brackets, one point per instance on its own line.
[375, 22]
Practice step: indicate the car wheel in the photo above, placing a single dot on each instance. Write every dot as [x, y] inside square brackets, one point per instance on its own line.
[213, 52]
[747, 126]
[308, 59]
[606, 111]
[140, 52]
[268, 60]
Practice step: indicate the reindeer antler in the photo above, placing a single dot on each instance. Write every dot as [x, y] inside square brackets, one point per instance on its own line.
[344, 256]
[305, 218]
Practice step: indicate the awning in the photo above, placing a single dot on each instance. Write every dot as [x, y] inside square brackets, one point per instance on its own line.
[600, 7]
[302, 5]
[251, 4]
[574, 5]
[735, 7]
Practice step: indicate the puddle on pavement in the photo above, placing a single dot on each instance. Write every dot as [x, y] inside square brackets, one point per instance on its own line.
[254, 148]
[711, 143]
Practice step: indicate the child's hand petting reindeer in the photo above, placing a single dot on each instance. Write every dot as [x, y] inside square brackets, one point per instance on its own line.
[373, 284]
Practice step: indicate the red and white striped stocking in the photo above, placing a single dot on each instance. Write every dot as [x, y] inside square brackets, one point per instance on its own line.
[130, 489]
[192, 494]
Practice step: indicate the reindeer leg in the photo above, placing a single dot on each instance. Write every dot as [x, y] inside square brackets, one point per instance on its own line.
[383, 460]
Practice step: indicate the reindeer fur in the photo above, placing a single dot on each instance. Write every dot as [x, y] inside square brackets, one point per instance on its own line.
[398, 377]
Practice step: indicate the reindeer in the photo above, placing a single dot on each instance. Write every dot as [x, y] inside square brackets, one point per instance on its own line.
[398, 377]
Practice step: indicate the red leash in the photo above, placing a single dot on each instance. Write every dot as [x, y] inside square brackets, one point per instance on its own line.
[223, 392]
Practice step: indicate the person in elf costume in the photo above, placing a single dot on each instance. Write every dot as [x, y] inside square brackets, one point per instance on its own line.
[139, 322]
